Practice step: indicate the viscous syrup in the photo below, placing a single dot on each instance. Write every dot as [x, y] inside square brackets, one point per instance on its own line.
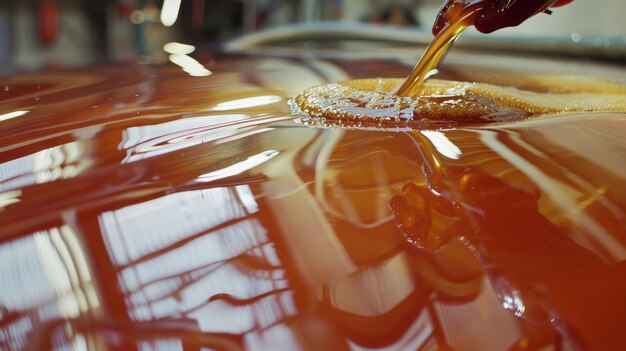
[142, 208]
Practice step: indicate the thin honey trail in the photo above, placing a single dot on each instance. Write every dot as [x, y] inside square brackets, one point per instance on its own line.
[436, 52]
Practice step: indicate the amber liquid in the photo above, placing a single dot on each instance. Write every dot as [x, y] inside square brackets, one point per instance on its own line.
[413, 104]
[142, 209]
[458, 16]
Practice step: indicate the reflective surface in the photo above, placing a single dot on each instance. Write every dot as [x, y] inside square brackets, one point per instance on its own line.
[146, 209]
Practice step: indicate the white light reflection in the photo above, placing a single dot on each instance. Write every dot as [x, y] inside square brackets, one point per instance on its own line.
[463, 324]
[70, 239]
[148, 141]
[9, 198]
[79, 343]
[443, 144]
[190, 65]
[169, 12]
[176, 130]
[228, 279]
[248, 102]
[238, 167]
[381, 287]
[137, 230]
[431, 73]
[20, 266]
[178, 48]
[58, 276]
[58, 162]
[514, 303]
[17, 333]
[181, 249]
[13, 114]
[44, 276]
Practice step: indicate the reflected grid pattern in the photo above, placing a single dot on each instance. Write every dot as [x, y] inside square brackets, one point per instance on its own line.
[196, 255]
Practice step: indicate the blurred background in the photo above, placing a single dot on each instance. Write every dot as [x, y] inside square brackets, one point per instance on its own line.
[52, 34]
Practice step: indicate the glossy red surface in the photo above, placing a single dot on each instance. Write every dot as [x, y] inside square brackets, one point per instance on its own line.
[142, 209]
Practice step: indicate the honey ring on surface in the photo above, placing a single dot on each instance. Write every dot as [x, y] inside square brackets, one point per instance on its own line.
[441, 104]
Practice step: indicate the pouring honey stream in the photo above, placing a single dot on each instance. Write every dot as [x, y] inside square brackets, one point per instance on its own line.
[452, 20]
[422, 102]
[455, 16]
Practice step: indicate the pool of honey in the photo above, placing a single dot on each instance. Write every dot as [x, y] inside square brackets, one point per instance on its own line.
[441, 104]
[145, 209]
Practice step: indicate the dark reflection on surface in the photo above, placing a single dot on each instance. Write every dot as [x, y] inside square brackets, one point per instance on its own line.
[468, 233]
[390, 284]
[192, 228]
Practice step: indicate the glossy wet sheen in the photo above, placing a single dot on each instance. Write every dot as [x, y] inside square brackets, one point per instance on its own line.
[146, 209]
